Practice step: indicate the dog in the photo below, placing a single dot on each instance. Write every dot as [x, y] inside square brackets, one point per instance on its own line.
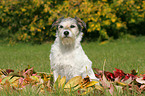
[67, 57]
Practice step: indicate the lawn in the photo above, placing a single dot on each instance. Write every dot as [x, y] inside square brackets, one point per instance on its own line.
[125, 54]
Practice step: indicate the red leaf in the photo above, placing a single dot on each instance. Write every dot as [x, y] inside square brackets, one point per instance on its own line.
[109, 76]
[98, 75]
[9, 70]
[118, 73]
[144, 77]
[127, 76]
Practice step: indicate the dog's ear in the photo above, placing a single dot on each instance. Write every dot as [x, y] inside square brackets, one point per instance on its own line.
[80, 22]
[57, 22]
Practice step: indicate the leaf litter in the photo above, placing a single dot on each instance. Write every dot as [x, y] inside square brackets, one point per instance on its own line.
[118, 81]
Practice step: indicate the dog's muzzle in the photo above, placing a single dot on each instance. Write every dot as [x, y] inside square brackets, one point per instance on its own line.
[67, 37]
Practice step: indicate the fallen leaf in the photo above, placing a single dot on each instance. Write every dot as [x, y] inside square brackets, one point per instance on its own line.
[12, 80]
[142, 87]
[73, 82]
[128, 81]
[89, 89]
[119, 88]
[99, 87]
[91, 83]
[57, 82]
[9, 70]
[111, 90]
[62, 82]
[119, 73]
[5, 79]
[121, 83]
[140, 80]
[105, 82]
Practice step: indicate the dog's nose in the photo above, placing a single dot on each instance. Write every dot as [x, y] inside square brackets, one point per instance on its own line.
[66, 33]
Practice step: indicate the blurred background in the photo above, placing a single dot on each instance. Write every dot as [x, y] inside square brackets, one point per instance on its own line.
[31, 20]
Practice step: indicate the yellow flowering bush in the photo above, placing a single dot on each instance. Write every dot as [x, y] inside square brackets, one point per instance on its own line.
[31, 20]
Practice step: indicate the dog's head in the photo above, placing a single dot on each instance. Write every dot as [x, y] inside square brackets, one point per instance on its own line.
[68, 29]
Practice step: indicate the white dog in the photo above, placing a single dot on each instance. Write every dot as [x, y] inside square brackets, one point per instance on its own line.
[67, 57]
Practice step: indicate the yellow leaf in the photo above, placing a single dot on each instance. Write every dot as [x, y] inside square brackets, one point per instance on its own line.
[104, 0]
[119, 25]
[39, 30]
[73, 82]
[98, 28]
[23, 9]
[87, 91]
[56, 82]
[91, 83]
[107, 22]
[5, 79]
[32, 28]
[77, 87]
[43, 27]
[99, 87]
[113, 20]
[13, 79]
[103, 42]
[92, 25]
[62, 82]
[32, 34]
[120, 83]
[132, 20]
[1, 7]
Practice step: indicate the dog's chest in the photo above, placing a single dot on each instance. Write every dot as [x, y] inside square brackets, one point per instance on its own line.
[67, 59]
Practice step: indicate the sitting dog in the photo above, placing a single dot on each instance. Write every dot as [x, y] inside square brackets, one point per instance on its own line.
[67, 57]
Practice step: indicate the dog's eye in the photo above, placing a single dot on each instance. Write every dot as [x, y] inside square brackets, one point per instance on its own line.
[72, 26]
[60, 26]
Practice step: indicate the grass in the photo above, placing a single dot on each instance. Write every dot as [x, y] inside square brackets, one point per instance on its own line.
[124, 54]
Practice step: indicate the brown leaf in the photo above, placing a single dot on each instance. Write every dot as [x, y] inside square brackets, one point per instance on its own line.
[48, 85]
[142, 87]
[105, 82]
[111, 90]
[98, 71]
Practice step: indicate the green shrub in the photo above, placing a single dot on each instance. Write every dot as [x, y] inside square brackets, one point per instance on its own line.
[31, 20]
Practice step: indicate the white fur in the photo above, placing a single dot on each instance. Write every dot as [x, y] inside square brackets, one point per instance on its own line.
[69, 59]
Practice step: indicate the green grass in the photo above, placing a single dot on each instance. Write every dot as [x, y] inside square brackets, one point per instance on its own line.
[125, 54]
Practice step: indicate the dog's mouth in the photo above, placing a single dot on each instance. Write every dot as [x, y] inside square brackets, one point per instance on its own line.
[67, 40]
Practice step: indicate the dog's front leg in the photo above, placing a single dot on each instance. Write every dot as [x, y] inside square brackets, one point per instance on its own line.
[55, 75]
[92, 75]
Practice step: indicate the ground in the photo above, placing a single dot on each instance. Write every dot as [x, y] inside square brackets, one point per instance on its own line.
[125, 54]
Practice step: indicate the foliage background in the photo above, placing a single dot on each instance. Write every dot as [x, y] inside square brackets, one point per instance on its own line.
[31, 20]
